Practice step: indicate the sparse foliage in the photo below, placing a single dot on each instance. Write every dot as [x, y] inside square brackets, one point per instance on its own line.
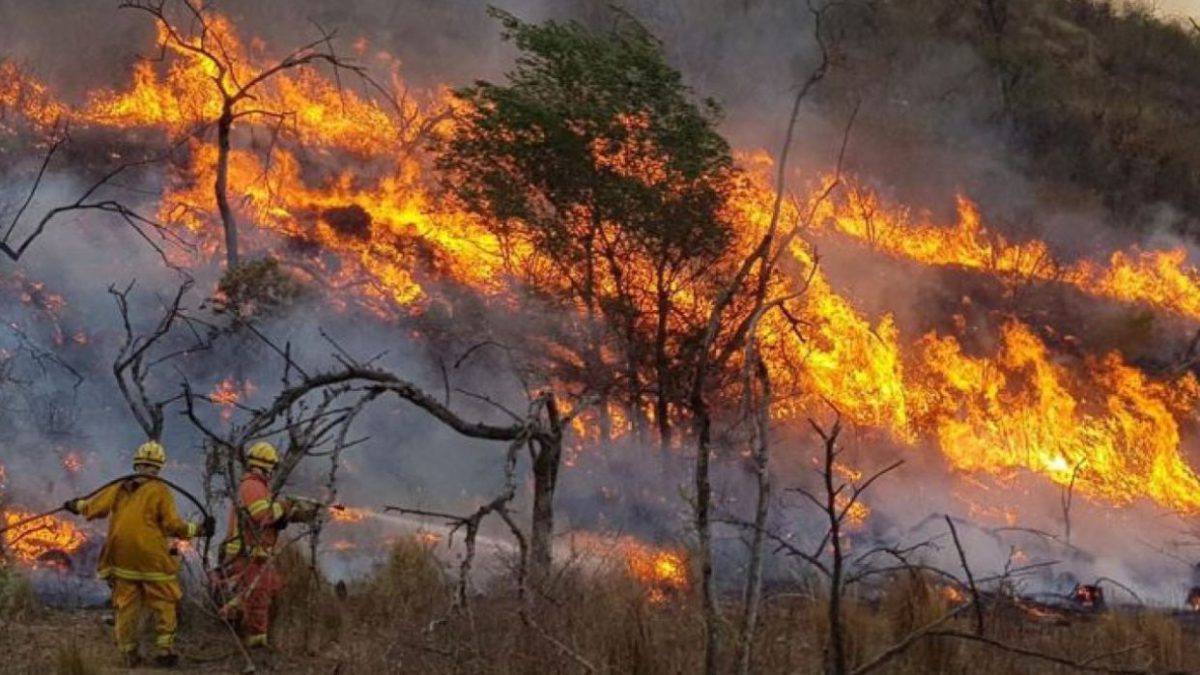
[256, 290]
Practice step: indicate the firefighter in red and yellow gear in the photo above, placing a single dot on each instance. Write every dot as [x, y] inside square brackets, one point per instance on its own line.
[136, 559]
[255, 521]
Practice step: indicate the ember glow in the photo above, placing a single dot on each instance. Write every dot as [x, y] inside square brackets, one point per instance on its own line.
[40, 537]
[346, 514]
[343, 546]
[663, 572]
[953, 595]
[72, 462]
[1193, 599]
[1088, 596]
[228, 394]
[225, 393]
[345, 197]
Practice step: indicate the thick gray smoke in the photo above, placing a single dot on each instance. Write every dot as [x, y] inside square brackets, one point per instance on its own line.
[923, 133]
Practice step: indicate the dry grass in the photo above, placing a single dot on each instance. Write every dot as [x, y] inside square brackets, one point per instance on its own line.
[403, 616]
[401, 620]
[71, 661]
[306, 615]
[17, 600]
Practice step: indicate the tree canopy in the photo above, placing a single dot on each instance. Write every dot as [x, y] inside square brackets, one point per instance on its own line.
[596, 159]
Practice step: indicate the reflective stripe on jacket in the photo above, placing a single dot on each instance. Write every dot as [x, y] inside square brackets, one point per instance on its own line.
[260, 513]
[141, 515]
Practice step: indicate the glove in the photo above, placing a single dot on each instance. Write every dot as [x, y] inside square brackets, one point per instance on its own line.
[72, 505]
[209, 527]
[304, 512]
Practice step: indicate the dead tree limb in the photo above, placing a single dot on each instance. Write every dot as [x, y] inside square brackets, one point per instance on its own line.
[962, 557]
[39, 356]
[131, 368]
[760, 408]
[835, 662]
[708, 361]
[1085, 665]
[14, 245]
[308, 410]
[197, 36]
[1068, 496]
[470, 525]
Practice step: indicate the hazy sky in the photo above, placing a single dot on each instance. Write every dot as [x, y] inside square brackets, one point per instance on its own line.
[1185, 7]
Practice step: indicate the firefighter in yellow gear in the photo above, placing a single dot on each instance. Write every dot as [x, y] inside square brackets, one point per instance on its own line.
[136, 559]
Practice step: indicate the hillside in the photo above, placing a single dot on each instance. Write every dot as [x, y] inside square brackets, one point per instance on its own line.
[563, 360]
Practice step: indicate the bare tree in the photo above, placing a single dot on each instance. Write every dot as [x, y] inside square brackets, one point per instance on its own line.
[314, 410]
[836, 507]
[1068, 498]
[137, 358]
[17, 237]
[718, 345]
[841, 571]
[195, 34]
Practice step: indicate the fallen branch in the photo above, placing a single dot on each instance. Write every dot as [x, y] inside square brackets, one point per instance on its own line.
[1085, 665]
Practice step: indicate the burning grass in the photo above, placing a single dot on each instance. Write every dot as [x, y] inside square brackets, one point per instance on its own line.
[404, 614]
[41, 539]
[1094, 423]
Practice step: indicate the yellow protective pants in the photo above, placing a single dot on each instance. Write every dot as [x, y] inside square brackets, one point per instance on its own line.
[160, 597]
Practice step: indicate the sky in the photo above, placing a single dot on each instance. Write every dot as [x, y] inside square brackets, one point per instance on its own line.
[1182, 7]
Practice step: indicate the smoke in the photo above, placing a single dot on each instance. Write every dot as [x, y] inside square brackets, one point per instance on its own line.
[924, 132]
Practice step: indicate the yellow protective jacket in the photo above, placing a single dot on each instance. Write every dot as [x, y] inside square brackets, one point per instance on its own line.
[141, 515]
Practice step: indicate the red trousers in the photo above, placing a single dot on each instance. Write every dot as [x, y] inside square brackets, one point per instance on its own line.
[255, 584]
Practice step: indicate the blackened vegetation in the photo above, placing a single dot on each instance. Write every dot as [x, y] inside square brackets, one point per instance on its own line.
[349, 221]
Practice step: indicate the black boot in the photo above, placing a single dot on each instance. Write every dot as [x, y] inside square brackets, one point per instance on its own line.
[131, 659]
[166, 660]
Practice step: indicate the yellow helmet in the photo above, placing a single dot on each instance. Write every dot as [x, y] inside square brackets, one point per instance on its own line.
[150, 452]
[263, 455]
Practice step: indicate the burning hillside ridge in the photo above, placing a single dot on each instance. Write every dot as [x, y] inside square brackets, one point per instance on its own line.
[335, 177]
[336, 184]
[1161, 279]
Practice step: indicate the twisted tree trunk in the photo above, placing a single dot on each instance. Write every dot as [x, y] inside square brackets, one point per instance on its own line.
[221, 187]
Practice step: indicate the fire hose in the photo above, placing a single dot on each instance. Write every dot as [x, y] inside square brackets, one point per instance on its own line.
[192, 498]
[310, 503]
[249, 663]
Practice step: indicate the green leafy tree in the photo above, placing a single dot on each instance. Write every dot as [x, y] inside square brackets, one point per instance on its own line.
[595, 161]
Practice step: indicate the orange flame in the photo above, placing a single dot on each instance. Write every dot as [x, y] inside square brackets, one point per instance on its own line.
[1162, 279]
[40, 536]
[364, 218]
[225, 393]
[663, 572]
[346, 514]
[24, 97]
